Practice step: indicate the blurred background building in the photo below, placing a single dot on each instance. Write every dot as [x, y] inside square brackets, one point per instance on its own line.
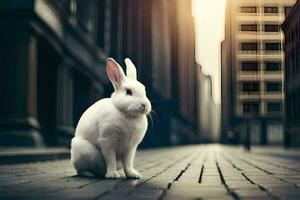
[291, 28]
[253, 68]
[207, 110]
[53, 66]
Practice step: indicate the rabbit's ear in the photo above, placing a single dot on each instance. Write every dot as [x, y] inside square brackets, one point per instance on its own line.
[115, 72]
[130, 69]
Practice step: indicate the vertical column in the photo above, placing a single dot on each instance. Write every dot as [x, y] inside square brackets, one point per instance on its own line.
[120, 30]
[107, 27]
[64, 116]
[18, 77]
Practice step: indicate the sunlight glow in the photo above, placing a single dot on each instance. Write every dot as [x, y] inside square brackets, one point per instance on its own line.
[209, 26]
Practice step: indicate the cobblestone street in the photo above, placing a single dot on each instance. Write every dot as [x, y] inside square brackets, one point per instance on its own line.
[190, 172]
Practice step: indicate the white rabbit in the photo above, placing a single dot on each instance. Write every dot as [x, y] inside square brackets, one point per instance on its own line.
[108, 132]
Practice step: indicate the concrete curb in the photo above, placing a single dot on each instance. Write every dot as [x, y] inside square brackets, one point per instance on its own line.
[25, 155]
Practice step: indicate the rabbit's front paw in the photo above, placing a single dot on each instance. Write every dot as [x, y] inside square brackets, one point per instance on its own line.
[113, 174]
[133, 174]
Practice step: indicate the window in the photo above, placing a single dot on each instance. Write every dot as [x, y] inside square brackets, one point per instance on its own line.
[249, 27]
[274, 107]
[270, 9]
[249, 46]
[273, 66]
[273, 86]
[250, 87]
[249, 66]
[248, 9]
[251, 107]
[272, 28]
[287, 11]
[273, 46]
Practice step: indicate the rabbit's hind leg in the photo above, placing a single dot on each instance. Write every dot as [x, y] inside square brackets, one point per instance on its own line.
[86, 158]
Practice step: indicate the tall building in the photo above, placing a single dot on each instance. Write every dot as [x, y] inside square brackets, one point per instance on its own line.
[291, 28]
[53, 65]
[174, 77]
[52, 68]
[253, 69]
[206, 109]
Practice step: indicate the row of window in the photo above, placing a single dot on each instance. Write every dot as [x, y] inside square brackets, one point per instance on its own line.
[254, 9]
[254, 107]
[267, 28]
[253, 46]
[97, 18]
[254, 86]
[254, 66]
[265, 9]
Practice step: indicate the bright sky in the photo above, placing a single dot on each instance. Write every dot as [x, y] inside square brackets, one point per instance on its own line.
[209, 23]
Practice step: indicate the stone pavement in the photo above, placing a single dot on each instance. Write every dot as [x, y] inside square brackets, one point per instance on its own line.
[189, 172]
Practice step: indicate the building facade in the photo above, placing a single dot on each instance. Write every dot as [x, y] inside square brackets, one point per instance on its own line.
[253, 69]
[291, 28]
[207, 110]
[52, 68]
[53, 65]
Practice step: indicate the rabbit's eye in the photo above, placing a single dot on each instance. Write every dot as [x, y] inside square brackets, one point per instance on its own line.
[129, 92]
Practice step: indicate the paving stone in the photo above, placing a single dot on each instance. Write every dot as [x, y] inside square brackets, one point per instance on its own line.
[251, 193]
[146, 193]
[113, 197]
[243, 186]
[188, 172]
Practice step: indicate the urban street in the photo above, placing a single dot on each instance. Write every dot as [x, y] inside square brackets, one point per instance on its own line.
[160, 99]
[187, 172]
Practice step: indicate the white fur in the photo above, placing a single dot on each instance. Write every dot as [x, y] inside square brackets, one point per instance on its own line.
[108, 132]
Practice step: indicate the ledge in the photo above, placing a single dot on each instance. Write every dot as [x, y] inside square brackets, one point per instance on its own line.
[13, 155]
